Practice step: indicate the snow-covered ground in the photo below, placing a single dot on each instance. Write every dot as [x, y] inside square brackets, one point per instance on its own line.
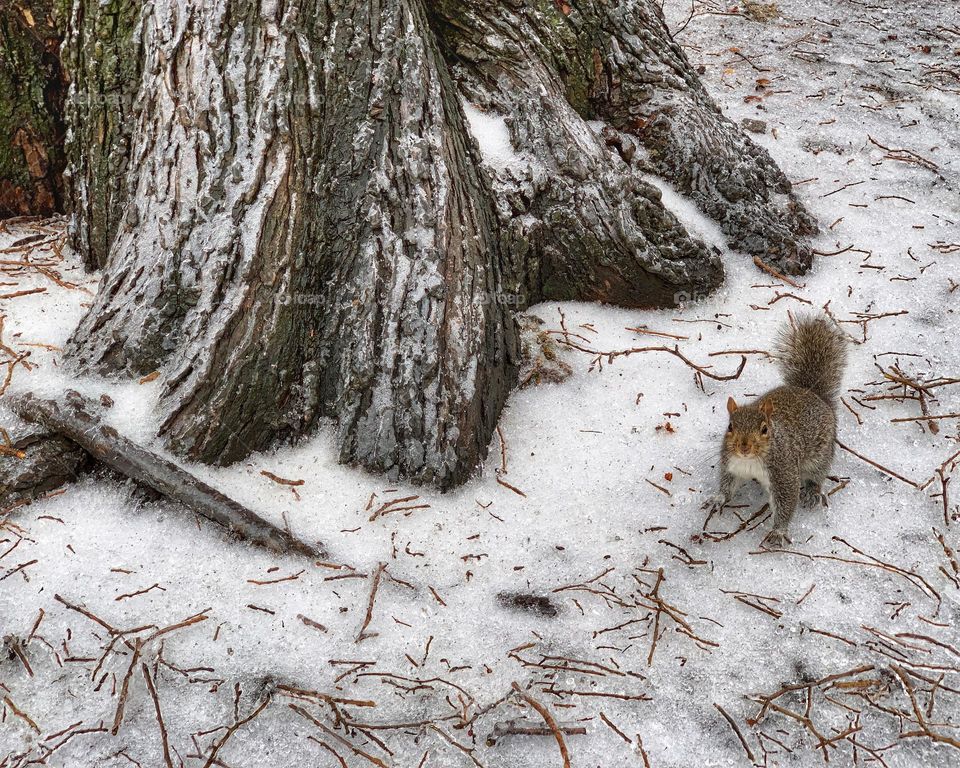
[611, 466]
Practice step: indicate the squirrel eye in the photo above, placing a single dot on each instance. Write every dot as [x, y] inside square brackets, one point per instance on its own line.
[730, 428]
[763, 429]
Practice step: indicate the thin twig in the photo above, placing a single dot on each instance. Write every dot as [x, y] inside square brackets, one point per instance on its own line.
[377, 574]
[548, 719]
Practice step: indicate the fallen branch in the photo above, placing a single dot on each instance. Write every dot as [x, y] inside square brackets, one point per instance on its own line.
[75, 418]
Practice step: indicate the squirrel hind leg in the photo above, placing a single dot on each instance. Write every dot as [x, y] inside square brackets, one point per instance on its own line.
[811, 489]
[812, 495]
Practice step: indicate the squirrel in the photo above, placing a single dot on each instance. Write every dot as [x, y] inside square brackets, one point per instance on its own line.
[785, 439]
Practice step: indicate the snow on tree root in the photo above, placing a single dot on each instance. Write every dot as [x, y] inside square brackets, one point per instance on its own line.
[617, 62]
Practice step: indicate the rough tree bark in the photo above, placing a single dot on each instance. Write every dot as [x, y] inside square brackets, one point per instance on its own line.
[103, 58]
[32, 89]
[547, 62]
[304, 227]
[37, 462]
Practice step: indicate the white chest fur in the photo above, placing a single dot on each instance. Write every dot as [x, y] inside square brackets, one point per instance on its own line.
[748, 469]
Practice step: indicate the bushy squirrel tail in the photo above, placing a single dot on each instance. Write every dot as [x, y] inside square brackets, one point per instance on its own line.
[813, 355]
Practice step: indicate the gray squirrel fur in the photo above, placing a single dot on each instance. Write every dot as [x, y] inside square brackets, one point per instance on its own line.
[785, 438]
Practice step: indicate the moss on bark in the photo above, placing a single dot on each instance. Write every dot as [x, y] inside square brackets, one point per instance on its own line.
[32, 88]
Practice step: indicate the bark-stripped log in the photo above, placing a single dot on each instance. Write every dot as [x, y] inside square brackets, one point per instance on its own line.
[309, 229]
[75, 418]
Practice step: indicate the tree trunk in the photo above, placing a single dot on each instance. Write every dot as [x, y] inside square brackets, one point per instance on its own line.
[103, 56]
[32, 88]
[305, 227]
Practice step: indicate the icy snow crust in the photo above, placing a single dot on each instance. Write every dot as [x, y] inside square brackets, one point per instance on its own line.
[493, 136]
[588, 456]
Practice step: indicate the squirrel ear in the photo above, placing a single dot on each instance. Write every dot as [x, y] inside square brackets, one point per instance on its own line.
[731, 405]
[766, 407]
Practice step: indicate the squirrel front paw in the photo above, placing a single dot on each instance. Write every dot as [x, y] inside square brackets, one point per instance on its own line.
[776, 539]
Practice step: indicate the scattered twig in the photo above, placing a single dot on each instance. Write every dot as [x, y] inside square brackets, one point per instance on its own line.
[882, 468]
[375, 585]
[164, 739]
[548, 719]
[736, 730]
